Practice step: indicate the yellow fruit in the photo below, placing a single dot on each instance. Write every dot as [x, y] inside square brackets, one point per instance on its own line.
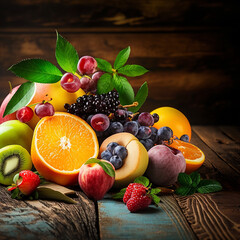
[59, 98]
[174, 119]
[136, 162]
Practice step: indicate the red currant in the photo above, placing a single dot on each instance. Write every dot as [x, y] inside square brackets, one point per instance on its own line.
[24, 114]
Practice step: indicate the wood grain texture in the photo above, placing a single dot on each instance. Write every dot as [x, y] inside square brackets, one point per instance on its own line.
[47, 219]
[207, 218]
[192, 72]
[163, 222]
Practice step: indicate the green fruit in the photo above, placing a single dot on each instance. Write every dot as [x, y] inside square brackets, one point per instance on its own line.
[13, 159]
[15, 132]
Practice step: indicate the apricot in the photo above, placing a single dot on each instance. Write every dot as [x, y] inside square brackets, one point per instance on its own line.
[136, 162]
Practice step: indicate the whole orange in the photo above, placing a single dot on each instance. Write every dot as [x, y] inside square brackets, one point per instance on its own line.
[59, 98]
[173, 118]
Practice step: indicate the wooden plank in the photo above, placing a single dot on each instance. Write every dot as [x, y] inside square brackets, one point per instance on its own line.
[212, 215]
[47, 219]
[226, 148]
[231, 132]
[163, 222]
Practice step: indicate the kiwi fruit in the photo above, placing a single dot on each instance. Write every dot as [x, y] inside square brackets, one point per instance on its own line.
[13, 159]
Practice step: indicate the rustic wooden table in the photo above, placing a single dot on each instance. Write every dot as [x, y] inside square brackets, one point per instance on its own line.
[208, 216]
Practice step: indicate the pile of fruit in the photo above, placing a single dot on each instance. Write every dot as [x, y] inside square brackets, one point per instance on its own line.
[85, 126]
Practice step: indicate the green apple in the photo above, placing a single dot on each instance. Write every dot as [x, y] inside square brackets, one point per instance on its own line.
[15, 132]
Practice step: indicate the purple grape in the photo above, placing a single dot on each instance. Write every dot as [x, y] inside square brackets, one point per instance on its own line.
[144, 132]
[106, 155]
[154, 135]
[184, 138]
[131, 127]
[147, 143]
[116, 127]
[165, 134]
[111, 146]
[155, 117]
[145, 119]
[116, 161]
[120, 151]
[120, 114]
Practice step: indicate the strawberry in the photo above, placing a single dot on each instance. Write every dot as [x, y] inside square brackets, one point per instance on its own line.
[27, 182]
[129, 190]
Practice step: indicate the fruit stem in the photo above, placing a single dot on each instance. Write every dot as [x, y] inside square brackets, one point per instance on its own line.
[134, 104]
[165, 190]
[43, 101]
[10, 86]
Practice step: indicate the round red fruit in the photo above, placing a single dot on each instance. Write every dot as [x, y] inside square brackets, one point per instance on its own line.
[87, 65]
[70, 82]
[24, 114]
[44, 109]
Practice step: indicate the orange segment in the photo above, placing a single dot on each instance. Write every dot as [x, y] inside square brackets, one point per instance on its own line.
[61, 145]
[193, 155]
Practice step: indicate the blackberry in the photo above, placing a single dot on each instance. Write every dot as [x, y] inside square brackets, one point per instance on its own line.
[91, 104]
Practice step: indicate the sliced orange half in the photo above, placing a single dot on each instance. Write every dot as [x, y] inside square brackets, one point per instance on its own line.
[193, 155]
[61, 145]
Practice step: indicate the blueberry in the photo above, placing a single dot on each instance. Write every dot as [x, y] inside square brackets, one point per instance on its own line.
[165, 134]
[106, 155]
[155, 117]
[184, 138]
[147, 143]
[111, 146]
[144, 132]
[116, 127]
[120, 151]
[131, 127]
[154, 135]
[116, 161]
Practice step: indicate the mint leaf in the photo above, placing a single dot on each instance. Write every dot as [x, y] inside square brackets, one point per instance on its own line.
[195, 176]
[209, 186]
[185, 190]
[66, 55]
[143, 180]
[155, 191]
[107, 167]
[132, 70]
[140, 97]
[184, 179]
[122, 58]
[104, 84]
[120, 194]
[21, 98]
[124, 88]
[104, 65]
[37, 70]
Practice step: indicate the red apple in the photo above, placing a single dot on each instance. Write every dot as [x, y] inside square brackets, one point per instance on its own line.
[11, 116]
[94, 181]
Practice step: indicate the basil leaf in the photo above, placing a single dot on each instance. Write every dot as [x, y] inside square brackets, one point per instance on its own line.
[21, 98]
[104, 84]
[107, 167]
[143, 180]
[124, 88]
[140, 97]
[66, 55]
[120, 194]
[209, 186]
[132, 70]
[184, 179]
[185, 190]
[122, 58]
[195, 176]
[155, 199]
[37, 70]
[104, 65]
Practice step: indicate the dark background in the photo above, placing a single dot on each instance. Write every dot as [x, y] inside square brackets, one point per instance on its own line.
[190, 47]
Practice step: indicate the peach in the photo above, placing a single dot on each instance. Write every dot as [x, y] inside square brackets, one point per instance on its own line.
[165, 164]
[136, 162]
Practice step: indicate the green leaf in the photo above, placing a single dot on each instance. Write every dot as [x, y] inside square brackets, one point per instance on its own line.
[66, 55]
[155, 191]
[21, 98]
[124, 88]
[120, 194]
[185, 190]
[132, 70]
[195, 176]
[209, 186]
[37, 70]
[122, 58]
[184, 179]
[15, 193]
[155, 199]
[104, 65]
[107, 167]
[143, 180]
[104, 84]
[140, 97]
[48, 193]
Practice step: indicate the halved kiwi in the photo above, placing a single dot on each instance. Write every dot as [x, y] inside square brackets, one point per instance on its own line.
[13, 159]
